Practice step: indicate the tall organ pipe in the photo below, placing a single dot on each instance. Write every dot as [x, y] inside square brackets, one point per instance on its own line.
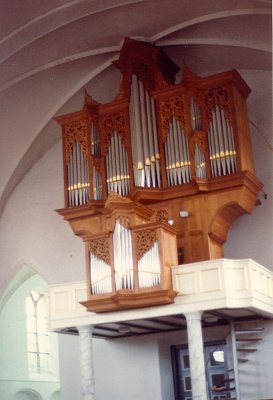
[117, 169]
[77, 177]
[149, 267]
[123, 257]
[195, 115]
[146, 160]
[221, 144]
[177, 155]
[101, 278]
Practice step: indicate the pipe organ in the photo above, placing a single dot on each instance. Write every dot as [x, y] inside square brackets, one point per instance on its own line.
[164, 146]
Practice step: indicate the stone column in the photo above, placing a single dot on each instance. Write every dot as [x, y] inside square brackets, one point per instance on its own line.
[87, 365]
[196, 355]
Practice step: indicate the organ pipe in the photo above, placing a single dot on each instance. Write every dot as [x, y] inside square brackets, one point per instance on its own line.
[117, 169]
[195, 115]
[177, 155]
[95, 140]
[149, 268]
[101, 279]
[146, 158]
[77, 177]
[97, 184]
[123, 257]
[221, 144]
[200, 162]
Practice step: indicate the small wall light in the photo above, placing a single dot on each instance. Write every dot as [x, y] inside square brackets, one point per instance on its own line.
[184, 214]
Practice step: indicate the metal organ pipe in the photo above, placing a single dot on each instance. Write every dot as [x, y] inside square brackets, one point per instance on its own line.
[177, 155]
[117, 169]
[123, 257]
[195, 115]
[101, 279]
[221, 144]
[97, 184]
[149, 268]
[200, 163]
[77, 177]
[145, 151]
[95, 140]
[196, 125]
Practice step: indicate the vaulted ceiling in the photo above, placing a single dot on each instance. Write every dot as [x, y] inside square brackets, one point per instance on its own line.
[51, 50]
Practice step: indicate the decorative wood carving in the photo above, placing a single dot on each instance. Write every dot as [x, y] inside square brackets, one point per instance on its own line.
[171, 107]
[144, 241]
[162, 216]
[101, 249]
[113, 122]
[77, 130]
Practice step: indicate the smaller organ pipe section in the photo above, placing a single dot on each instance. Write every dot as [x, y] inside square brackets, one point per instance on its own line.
[196, 125]
[200, 162]
[95, 140]
[117, 169]
[145, 150]
[96, 151]
[177, 155]
[97, 184]
[221, 144]
[195, 116]
[101, 279]
[149, 268]
[123, 257]
[77, 177]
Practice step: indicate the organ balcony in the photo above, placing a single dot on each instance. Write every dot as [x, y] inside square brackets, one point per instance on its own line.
[181, 151]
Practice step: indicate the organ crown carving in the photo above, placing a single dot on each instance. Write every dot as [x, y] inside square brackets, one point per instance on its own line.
[158, 149]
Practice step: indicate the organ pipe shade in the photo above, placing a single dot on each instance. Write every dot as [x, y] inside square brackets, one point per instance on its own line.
[123, 257]
[200, 163]
[101, 279]
[144, 136]
[77, 177]
[221, 144]
[117, 169]
[177, 155]
[195, 115]
[149, 268]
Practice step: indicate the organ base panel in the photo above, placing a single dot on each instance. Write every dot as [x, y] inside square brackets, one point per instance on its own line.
[155, 177]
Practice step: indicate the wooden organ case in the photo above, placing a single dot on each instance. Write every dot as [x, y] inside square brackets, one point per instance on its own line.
[155, 177]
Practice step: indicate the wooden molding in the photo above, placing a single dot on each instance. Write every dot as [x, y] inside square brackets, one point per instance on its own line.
[124, 300]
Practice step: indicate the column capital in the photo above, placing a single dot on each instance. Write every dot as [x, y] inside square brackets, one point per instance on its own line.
[196, 315]
[85, 329]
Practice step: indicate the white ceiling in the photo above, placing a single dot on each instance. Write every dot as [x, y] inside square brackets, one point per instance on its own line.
[50, 50]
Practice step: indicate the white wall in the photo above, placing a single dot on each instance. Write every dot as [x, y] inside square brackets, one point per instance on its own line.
[124, 369]
[33, 233]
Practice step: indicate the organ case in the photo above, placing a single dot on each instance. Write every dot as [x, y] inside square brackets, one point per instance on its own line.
[170, 146]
